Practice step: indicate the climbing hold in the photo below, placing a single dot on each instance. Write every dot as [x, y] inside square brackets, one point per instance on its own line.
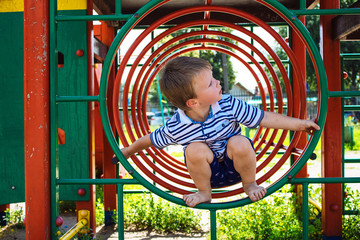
[79, 52]
[59, 221]
[81, 192]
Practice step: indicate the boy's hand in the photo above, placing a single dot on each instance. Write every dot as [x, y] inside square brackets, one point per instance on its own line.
[139, 145]
[309, 126]
[124, 151]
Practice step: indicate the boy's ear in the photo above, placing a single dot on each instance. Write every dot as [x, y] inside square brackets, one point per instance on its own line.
[191, 103]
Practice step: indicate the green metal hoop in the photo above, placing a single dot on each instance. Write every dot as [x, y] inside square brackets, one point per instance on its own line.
[289, 17]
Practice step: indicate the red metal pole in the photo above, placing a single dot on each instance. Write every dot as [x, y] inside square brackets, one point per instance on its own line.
[36, 119]
[331, 155]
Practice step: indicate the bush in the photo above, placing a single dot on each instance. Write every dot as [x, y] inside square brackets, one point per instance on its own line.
[14, 216]
[351, 224]
[148, 212]
[275, 217]
[279, 217]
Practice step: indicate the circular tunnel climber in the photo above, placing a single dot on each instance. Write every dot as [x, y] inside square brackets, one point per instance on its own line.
[207, 125]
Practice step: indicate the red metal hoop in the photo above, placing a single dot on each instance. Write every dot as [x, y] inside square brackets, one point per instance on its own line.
[167, 164]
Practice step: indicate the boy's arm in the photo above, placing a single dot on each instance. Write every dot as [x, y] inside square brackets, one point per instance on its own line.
[140, 144]
[279, 121]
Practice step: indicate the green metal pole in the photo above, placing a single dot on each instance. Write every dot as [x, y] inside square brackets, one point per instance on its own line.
[341, 11]
[305, 211]
[325, 180]
[252, 40]
[344, 93]
[160, 99]
[342, 131]
[118, 8]
[302, 4]
[350, 56]
[351, 212]
[77, 98]
[352, 107]
[352, 160]
[120, 191]
[54, 171]
[97, 181]
[213, 224]
[121, 17]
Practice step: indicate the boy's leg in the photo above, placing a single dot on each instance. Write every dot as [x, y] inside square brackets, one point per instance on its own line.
[240, 150]
[198, 159]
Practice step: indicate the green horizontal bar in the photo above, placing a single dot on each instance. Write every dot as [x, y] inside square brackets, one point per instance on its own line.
[96, 181]
[167, 191]
[350, 56]
[269, 152]
[352, 160]
[340, 11]
[130, 65]
[351, 212]
[277, 107]
[141, 191]
[352, 107]
[129, 108]
[275, 24]
[271, 61]
[121, 17]
[344, 93]
[325, 180]
[78, 98]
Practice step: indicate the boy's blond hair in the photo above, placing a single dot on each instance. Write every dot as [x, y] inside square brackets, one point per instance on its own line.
[176, 81]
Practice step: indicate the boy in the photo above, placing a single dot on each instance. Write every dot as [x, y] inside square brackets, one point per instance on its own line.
[207, 125]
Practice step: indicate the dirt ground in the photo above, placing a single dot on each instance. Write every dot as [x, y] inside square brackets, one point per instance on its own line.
[110, 233]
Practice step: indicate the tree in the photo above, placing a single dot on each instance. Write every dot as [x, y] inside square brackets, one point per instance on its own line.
[279, 51]
[312, 24]
[214, 57]
[351, 67]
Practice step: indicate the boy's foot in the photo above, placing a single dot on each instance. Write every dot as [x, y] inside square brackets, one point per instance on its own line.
[195, 198]
[254, 191]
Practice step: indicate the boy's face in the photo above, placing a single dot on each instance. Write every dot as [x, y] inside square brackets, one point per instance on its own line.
[207, 88]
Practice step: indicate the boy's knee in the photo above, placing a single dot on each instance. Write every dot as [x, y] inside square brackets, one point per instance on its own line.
[198, 150]
[239, 145]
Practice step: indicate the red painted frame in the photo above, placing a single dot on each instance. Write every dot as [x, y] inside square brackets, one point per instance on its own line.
[36, 119]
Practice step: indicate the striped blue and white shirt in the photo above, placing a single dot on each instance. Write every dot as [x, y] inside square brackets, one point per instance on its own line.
[221, 124]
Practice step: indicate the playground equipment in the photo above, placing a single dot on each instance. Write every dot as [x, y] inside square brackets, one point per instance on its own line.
[83, 226]
[72, 93]
[141, 87]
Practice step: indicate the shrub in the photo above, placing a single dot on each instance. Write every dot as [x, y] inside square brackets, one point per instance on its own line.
[14, 216]
[148, 212]
[274, 217]
[351, 224]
